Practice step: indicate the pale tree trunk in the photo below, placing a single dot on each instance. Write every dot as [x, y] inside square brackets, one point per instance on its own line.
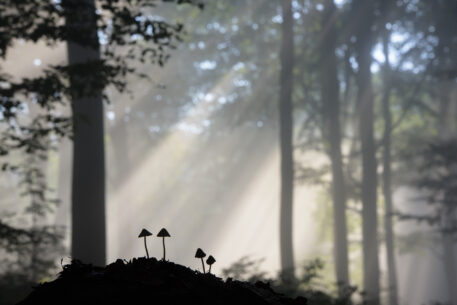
[387, 177]
[447, 129]
[285, 122]
[450, 266]
[364, 11]
[64, 184]
[63, 214]
[88, 185]
[37, 204]
[448, 242]
[332, 133]
[119, 138]
[121, 167]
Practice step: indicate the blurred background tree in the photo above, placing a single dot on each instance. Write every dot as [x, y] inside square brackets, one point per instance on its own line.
[33, 122]
[197, 147]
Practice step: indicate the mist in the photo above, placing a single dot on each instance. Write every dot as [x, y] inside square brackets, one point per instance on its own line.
[274, 133]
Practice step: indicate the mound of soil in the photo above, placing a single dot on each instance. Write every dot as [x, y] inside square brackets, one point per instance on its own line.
[149, 281]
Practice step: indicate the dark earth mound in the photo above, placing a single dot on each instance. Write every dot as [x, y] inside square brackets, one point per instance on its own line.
[149, 281]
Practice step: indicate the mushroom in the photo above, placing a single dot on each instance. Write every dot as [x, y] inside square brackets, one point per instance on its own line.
[163, 233]
[210, 261]
[145, 233]
[200, 254]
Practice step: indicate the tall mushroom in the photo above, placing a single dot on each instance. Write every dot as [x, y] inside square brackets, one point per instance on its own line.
[211, 260]
[163, 233]
[145, 233]
[200, 254]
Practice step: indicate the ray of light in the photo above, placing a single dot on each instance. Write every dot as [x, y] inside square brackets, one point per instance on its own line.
[144, 181]
[144, 200]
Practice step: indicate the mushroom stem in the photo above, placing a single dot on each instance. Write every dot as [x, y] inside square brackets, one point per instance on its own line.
[146, 247]
[209, 271]
[163, 243]
[203, 264]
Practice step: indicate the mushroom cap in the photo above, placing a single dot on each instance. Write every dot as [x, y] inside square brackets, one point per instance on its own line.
[144, 233]
[200, 253]
[163, 233]
[211, 260]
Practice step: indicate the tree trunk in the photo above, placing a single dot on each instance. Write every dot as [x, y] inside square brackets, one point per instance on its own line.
[332, 132]
[119, 138]
[445, 59]
[37, 204]
[64, 184]
[88, 186]
[386, 177]
[121, 168]
[285, 122]
[364, 11]
[446, 133]
[450, 266]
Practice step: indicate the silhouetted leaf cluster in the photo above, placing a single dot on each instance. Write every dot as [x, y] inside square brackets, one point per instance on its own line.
[32, 118]
[129, 33]
[438, 181]
[28, 254]
[245, 269]
[11, 237]
[306, 285]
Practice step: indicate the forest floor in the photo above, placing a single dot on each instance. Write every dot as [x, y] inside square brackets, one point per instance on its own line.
[150, 281]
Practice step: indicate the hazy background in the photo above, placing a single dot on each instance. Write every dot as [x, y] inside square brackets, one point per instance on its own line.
[196, 149]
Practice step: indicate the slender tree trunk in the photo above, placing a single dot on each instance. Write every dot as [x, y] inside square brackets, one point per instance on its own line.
[331, 109]
[364, 10]
[35, 205]
[448, 243]
[444, 94]
[285, 122]
[119, 138]
[64, 184]
[88, 186]
[450, 266]
[121, 170]
[444, 52]
[386, 177]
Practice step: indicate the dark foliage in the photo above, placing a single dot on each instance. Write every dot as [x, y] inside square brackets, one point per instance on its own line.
[32, 118]
[245, 269]
[306, 285]
[150, 281]
[438, 181]
[129, 34]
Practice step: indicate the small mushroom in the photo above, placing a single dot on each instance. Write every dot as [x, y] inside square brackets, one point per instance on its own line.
[200, 254]
[145, 233]
[210, 261]
[163, 233]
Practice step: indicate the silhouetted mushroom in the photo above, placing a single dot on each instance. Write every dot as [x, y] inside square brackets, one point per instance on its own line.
[210, 261]
[145, 233]
[200, 254]
[163, 233]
